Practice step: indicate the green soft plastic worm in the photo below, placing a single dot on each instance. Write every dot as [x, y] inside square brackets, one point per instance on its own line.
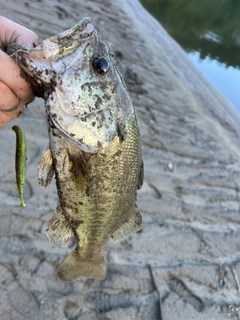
[20, 161]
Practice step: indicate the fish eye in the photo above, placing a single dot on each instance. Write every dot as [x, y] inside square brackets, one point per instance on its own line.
[100, 65]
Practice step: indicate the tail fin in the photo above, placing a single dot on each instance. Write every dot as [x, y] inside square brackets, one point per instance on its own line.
[74, 266]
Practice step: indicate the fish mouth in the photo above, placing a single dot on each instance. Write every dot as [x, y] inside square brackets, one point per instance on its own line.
[80, 145]
[54, 47]
[81, 32]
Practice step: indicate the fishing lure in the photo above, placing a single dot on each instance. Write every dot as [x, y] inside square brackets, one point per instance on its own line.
[20, 161]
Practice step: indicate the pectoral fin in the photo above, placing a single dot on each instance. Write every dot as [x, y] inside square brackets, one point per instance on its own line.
[45, 169]
[130, 225]
[59, 230]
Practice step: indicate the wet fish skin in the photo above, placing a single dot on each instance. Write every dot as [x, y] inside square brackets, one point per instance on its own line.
[103, 189]
[20, 161]
[94, 146]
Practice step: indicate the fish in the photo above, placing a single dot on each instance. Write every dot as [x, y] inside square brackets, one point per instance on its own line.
[20, 161]
[94, 149]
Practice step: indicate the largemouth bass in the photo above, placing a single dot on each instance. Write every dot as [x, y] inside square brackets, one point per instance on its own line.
[94, 145]
[20, 161]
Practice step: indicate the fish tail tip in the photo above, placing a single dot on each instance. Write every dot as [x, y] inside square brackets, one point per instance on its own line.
[74, 266]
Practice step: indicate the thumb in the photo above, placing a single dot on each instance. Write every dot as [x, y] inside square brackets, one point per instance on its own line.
[10, 75]
[12, 32]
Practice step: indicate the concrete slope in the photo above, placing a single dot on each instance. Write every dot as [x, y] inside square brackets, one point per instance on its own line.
[184, 264]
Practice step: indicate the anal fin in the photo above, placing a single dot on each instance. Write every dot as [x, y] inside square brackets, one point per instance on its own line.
[59, 230]
[131, 225]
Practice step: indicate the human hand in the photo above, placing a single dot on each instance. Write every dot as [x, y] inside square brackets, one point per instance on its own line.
[15, 92]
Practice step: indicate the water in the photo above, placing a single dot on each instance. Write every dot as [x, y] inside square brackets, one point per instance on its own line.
[225, 79]
[209, 31]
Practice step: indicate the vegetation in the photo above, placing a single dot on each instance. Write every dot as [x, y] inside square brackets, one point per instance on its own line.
[210, 27]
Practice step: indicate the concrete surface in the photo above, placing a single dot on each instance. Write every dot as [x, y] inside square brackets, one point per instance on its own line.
[184, 264]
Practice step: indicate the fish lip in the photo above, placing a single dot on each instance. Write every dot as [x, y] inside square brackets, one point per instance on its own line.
[69, 39]
[82, 31]
[65, 134]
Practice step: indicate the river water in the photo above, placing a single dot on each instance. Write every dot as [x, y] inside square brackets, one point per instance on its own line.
[209, 31]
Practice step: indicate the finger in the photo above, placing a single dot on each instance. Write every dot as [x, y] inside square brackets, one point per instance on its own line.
[10, 105]
[11, 113]
[9, 102]
[5, 118]
[11, 75]
[7, 98]
[12, 32]
[8, 116]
